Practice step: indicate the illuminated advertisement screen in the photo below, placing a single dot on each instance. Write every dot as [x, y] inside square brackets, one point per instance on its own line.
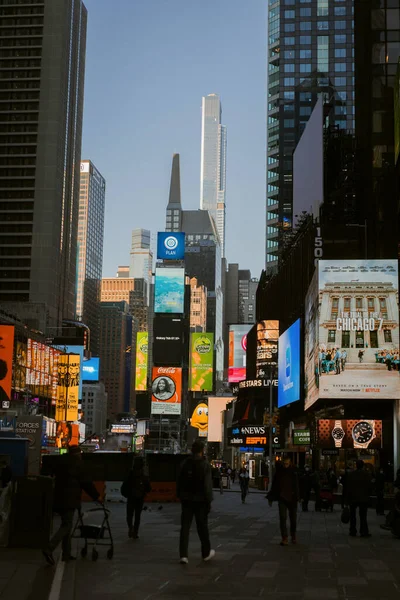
[90, 369]
[169, 290]
[356, 322]
[6, 361]
[289, 365]
[19, 375]
[267, 347]
[171, 246]
[69, 366]
[166, 390]
[167, 340]
[40, 367]
[199, 418]
[142, 345]
[237, 352]
[201, 362]
[77, 350]
[346, 433]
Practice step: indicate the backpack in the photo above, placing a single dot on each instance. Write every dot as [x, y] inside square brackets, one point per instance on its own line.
[192, 477]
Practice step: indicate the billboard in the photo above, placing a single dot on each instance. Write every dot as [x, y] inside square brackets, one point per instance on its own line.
[199, 418]
[201, 362]
[350, 433]
[289, 365]
[170, 246]
[237, 352]
[77, 350]
[142, 348]
[6, 362]
[90, 369]
[167, 340]
[68, 387]
[249, 435]
[19, 374]
[267, 347]
[216, 406]
[169, 290]
[352, 331]
[166, 391]
[301, 437]
[31, 427]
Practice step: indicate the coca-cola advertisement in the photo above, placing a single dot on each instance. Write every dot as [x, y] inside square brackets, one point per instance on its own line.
[166, 389]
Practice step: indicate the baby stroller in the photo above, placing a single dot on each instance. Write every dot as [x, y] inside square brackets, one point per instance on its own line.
[94, 535]
[325, 499]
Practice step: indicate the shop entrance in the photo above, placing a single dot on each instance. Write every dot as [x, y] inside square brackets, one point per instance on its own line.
[373, 336]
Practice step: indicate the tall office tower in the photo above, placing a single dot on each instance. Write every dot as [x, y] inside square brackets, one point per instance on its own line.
[213, 163]
[174, 207]
[41, 94]
[133, 292]
[198, 306]
[310, 51]
[90, 249]
[94, 407]
[141, 265]
[115, 323]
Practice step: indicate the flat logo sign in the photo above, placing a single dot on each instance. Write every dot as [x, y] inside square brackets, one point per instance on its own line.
[171, 246]
[301, 437]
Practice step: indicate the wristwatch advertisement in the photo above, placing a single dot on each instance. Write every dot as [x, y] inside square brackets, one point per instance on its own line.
[338, 434]
[363, 433]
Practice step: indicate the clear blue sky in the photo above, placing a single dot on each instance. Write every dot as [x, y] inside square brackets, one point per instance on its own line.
[148, 64]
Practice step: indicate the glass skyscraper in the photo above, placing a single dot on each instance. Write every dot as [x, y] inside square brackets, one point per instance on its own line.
[310, 52]
[213, 163]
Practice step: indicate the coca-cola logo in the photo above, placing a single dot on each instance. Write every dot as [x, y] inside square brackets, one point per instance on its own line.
[166, 370]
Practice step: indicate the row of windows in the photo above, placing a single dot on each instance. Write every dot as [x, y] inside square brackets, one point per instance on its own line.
[306, 40]
[20, 42]
[308, 53]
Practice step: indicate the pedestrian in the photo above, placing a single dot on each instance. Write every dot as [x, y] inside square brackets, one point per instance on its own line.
[285, 490]
[338, 361]
[69, 482]
[360, 356]
[305, 487]
[244, 480]
[380, 480]
[233, 475]
[135, 488]
[357, 496]
[344, 359]
[332, 479]
[195, 493]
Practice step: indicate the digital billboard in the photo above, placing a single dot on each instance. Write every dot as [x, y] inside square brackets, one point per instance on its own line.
[166, 390]
[201, 362]
[289, 365]
[90, 369]
[142, 349]
[216, 406]
[352, 332]
[68, 387]
[350, 433]
[170, 246]
[37, 363]
[237, 352]
[199, 418]
[6, 362]
[77, 350]
[169, 290]
[19, 373]
[267, 347]
[167, 340]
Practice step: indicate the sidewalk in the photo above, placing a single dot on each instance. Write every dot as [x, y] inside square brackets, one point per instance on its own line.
[326, 564]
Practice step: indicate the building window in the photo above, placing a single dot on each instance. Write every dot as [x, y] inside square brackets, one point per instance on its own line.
[322, 8]
[305, 25]
[305, 12]
[371, 305]
[383, 308]
[289, 14]
[289, 27]
[331, 336]
[289, 68]
[359, 303]
[305, 40]
[289, 41]
[335, 308]
[288, 81]
[322, 25]
[340, 24]
[305, 53]
[340, 39]
[340, 67]
[305, 68]
[387, 336]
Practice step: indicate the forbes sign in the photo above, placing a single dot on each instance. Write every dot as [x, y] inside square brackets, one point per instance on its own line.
[171, 246]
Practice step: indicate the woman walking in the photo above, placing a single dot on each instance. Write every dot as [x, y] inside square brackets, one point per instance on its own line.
[244, 483]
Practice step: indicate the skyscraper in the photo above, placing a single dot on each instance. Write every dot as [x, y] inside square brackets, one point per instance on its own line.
[141, 266]
[90, 248]
[43, 66]
[213, 163]
[310, 51]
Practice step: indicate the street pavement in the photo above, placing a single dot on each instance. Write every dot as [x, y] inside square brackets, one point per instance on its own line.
[326, 563]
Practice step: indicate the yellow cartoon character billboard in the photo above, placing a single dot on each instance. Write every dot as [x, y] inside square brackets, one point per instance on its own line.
[200, 419]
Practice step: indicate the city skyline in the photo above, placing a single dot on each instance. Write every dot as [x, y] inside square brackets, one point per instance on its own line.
[141, 141]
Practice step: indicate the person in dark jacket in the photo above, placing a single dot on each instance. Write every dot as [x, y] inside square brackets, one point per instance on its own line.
[244, 480]
[70, 480]
[138, 485]
[306, 483]
[195, 493]
[357, 496]
[285, 489]
[380, 492]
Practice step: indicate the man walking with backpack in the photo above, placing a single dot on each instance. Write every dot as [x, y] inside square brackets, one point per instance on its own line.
[195, 493]
[135, 488]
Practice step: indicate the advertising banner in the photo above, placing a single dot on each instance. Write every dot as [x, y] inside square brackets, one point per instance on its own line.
[67, 434]
[166, 388]
[19, 375]
[31, 428]
[6, 362]
[352, 331]
[216, 406]
[142, 344]
[354, 433]
[301, 437]
[267, 347]
[201, 362]
[90, 369]
[68, 387]
[169, 290]
[77, 350]
[237, 352]
[199, 418]
[171, 246]
[289, 365]
[168, 341]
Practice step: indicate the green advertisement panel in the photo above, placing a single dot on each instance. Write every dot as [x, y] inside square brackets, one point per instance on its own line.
[142, 343]
[201, 362]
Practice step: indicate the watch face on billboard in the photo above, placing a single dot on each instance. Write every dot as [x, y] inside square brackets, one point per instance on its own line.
[90, 369]
[289, 365]
[166, 389]
[237, 352]
[169, 290]
[168, 341]
[352, 331]
[350, 433]
[171, 246]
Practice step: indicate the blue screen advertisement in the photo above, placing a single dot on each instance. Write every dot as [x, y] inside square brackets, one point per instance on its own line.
[289, 365]
[171, 246]
[169, 290]
[90, 369]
